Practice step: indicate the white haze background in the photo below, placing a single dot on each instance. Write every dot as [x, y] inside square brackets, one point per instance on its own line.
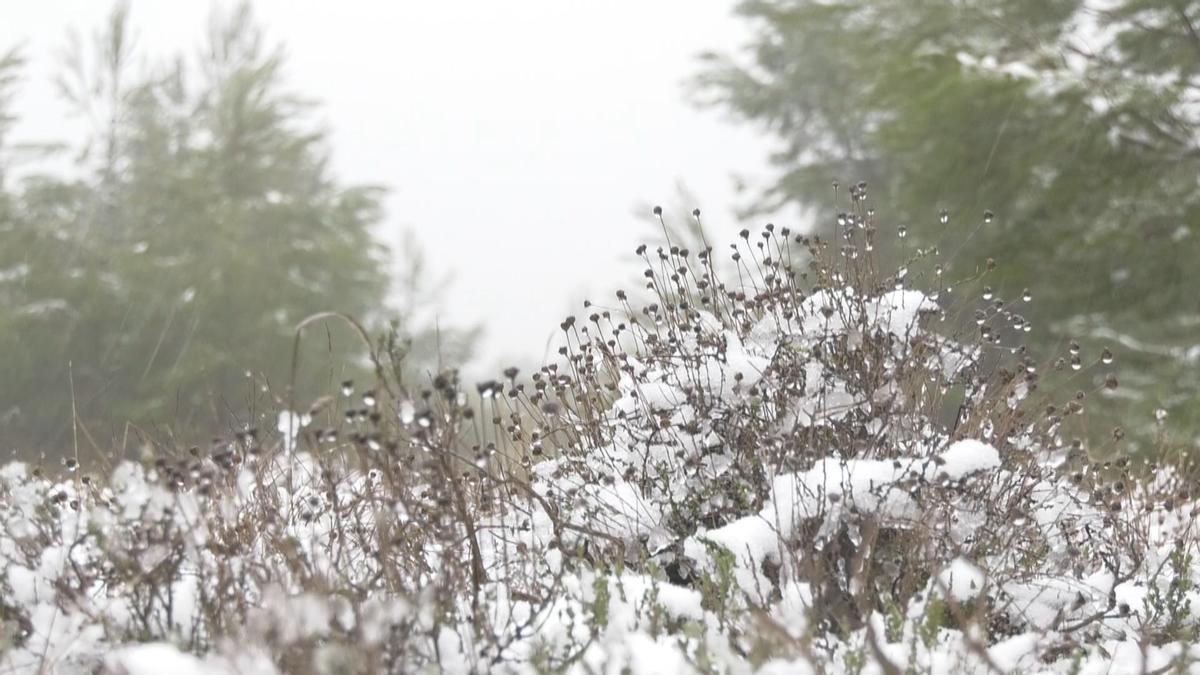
[517, 138]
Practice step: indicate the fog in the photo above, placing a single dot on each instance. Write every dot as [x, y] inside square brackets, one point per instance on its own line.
[517, 139]
[344, 336]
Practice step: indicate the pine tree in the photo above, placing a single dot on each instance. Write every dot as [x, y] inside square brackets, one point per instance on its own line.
[1075, 122]
[162, 285]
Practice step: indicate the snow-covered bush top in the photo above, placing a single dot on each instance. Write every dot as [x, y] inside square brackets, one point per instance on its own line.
[802, 471]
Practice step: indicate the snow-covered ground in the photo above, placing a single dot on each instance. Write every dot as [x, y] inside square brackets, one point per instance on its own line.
[781, 479]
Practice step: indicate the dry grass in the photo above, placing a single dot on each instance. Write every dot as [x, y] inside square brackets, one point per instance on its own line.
[449, 526]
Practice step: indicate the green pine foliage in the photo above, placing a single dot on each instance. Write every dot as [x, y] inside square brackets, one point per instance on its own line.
[154, 287]
[1074, 122]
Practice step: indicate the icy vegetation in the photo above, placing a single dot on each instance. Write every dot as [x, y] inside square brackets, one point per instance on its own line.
[788, 462]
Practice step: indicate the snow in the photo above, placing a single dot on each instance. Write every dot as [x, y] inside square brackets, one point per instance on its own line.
[961, 580]
[659, 544]
[290, 425]
[158, 658]
[832, 492]
[967, 457]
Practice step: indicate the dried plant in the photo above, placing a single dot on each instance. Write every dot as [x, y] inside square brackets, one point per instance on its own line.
[795, 461]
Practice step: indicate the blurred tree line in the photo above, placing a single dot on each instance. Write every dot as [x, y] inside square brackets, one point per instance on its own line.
[152, 278]
[1074, 121]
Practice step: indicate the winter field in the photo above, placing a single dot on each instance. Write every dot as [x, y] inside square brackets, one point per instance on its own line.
[774, 458]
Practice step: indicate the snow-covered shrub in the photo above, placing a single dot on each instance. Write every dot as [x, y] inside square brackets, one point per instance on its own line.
[793, 462]
[826, 435]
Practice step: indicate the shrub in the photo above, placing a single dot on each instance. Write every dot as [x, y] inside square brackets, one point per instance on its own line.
[796, 463]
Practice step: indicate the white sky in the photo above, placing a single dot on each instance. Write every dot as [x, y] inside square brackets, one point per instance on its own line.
[516, 137]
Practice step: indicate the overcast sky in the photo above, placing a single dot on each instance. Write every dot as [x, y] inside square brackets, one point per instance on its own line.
[516, 137]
